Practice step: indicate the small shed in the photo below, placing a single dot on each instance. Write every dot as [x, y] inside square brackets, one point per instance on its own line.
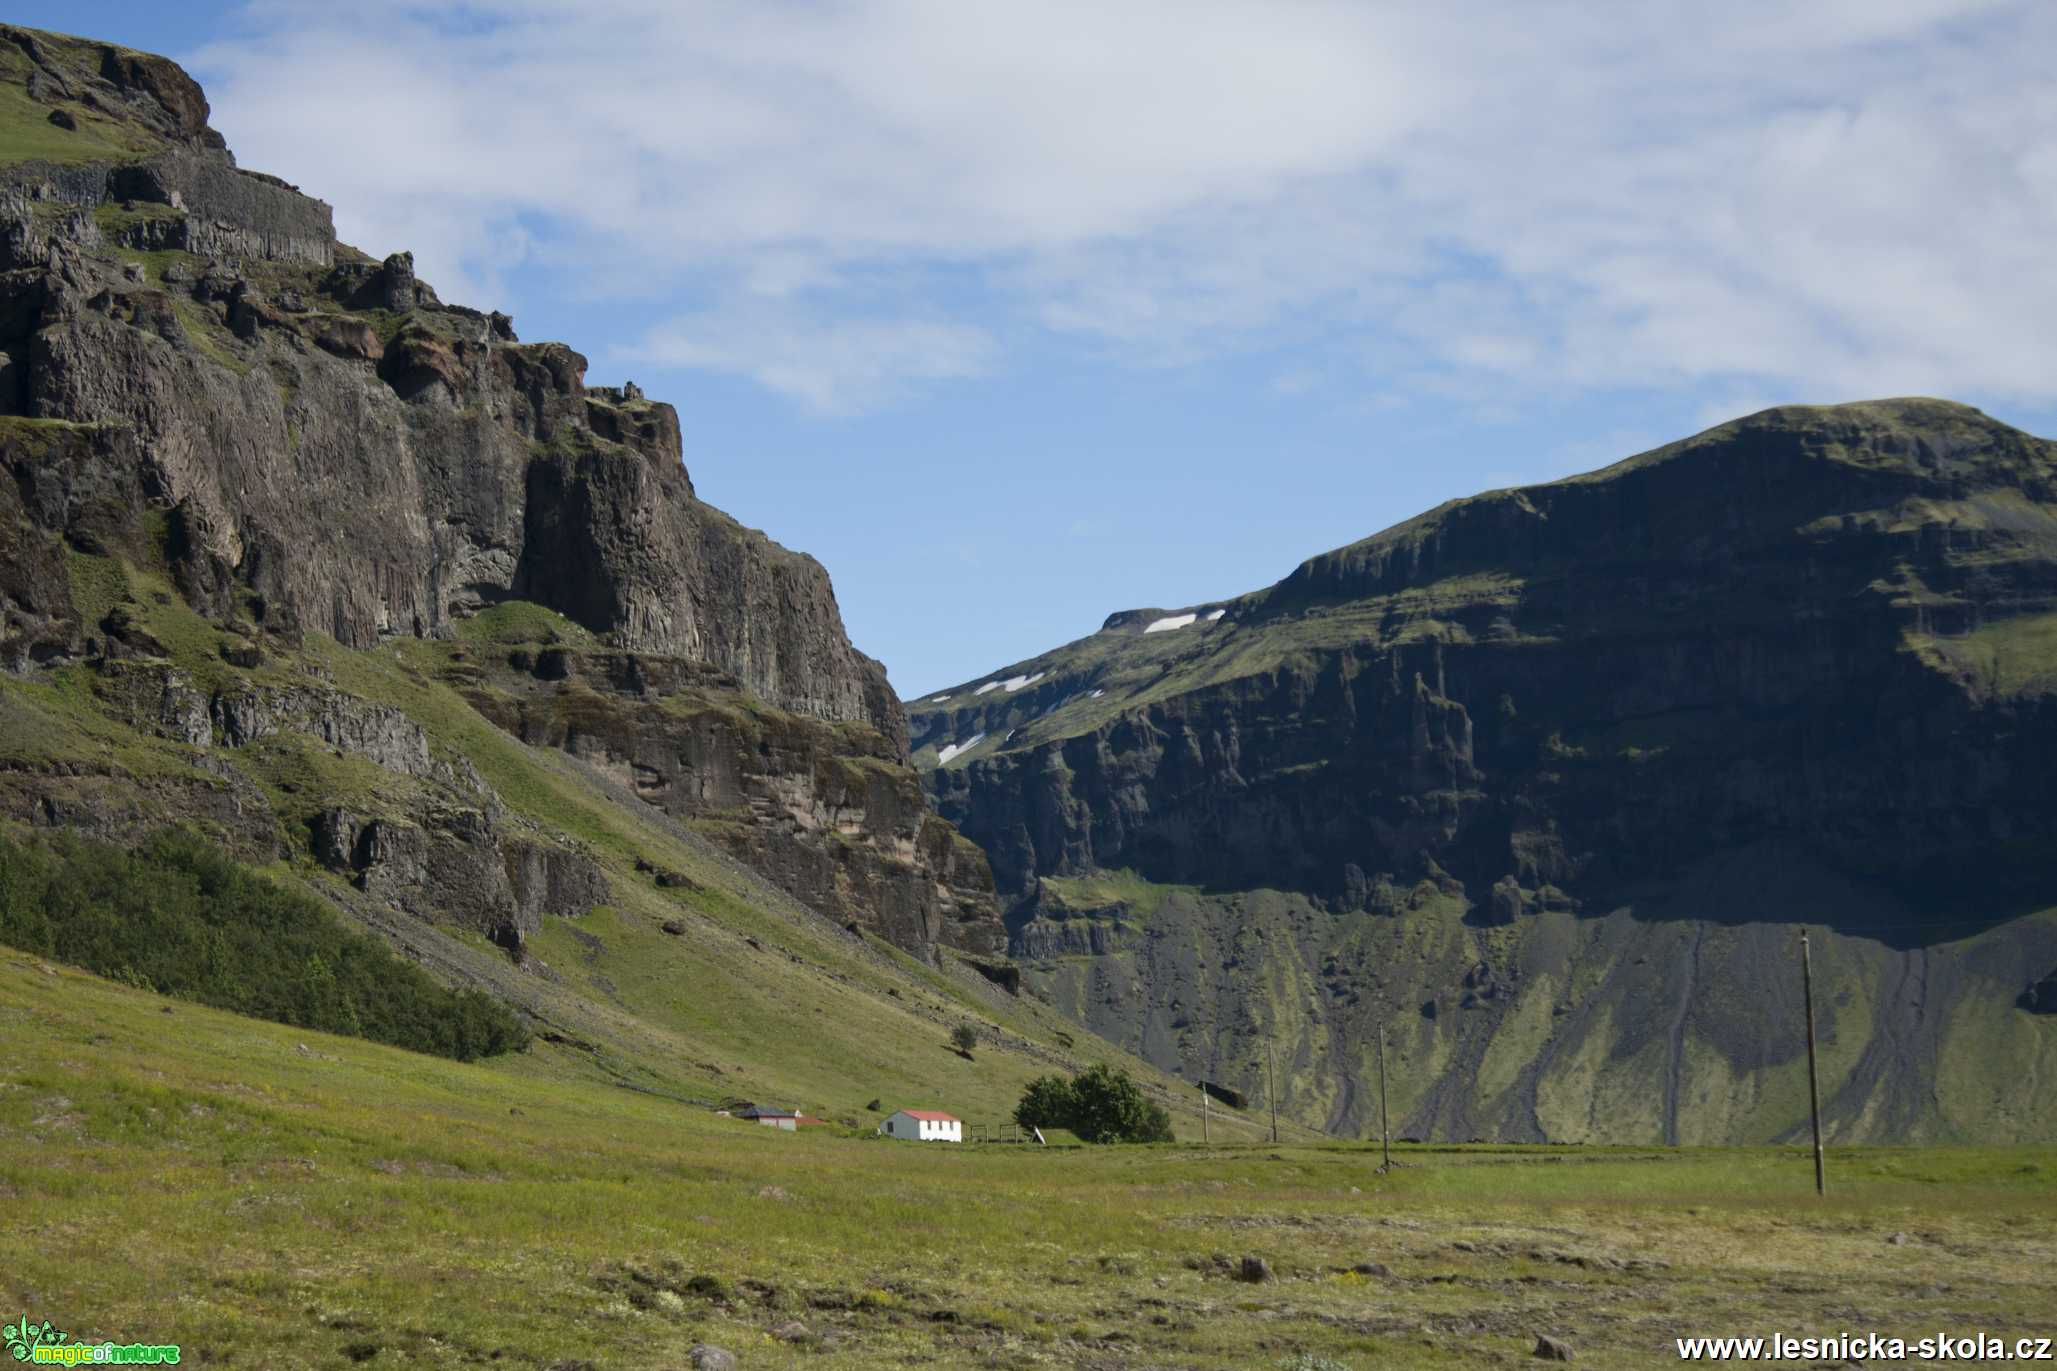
[923, 1125]
[787, 1119]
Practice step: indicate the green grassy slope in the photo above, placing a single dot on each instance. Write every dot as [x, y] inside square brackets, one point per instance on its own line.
[753, 996]
[264, 1196]
[179, 917]
[26, 133]
[1560, 1025]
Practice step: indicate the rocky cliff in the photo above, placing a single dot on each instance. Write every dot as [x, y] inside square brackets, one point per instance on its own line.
[831, 812]
[1569, 761]
[199, 384]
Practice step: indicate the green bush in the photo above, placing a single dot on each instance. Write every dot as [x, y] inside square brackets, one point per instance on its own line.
[1048, 1102]
[1100, 1105]
[180, 918]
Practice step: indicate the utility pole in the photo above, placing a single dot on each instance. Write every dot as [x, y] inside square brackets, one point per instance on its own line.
[1813, 1079]
[1271, 1089]
[1385, 1132]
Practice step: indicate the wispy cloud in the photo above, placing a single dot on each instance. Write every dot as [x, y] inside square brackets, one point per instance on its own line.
[830, 365]
[1839, 199]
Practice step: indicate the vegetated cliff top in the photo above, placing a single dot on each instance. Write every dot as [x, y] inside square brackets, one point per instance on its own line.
[1726, 518]
[1749, 472]
[65, 99]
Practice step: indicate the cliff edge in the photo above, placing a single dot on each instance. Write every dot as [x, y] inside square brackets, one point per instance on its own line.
[197, 379]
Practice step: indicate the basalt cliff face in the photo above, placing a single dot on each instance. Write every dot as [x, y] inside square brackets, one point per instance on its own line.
[217, 421]
[1546, 779]
[830, 812]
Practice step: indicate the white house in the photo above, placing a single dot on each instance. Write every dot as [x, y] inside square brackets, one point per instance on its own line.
[924, 1125]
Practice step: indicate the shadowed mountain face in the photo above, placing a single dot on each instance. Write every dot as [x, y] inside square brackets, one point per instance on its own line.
[205, 398]
[1545, 779]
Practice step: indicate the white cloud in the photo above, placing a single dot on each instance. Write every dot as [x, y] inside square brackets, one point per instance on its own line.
[1837, 199]
[830, 365]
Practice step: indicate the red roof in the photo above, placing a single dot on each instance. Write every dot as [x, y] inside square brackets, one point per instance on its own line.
[931, 1116]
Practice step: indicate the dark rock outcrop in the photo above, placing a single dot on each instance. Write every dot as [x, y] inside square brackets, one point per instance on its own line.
[826, 810]
[2041, 998]
[1787, 627]
[444, 849]
[457, 469]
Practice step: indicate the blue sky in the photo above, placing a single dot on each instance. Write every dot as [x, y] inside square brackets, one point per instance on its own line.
[1016, 315]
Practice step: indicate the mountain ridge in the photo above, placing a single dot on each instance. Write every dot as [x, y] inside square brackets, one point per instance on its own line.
[1812, 641]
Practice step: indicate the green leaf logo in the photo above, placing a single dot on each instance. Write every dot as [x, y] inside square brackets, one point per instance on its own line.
[23, 1335]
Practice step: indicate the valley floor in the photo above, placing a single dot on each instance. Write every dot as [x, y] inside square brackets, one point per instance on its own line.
[267, 1197]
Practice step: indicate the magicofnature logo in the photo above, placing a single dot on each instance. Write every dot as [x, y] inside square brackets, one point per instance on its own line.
[48, 1345]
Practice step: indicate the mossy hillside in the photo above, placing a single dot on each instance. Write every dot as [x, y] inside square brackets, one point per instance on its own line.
[1105, 661]
[762, 1022]
[1233, 999]
[303, 777]
[519, 623]
[1104, 891]
[2012, 657]
[316, 1200]
[98, 584]
[1991, 1072]
[1563, 1023]
[121, 223]
[27, 135]
[1523, 1033]
[37, 434]
[75, 715]
[62, 721]
[194, 643]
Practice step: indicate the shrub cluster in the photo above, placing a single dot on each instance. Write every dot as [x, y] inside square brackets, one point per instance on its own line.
[179, 917]
[1100, 1105]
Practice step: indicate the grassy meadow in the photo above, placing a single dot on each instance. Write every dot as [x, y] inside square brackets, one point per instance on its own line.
[269, 1197]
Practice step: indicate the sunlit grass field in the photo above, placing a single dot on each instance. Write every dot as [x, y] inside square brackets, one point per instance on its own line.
[267, 1197]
